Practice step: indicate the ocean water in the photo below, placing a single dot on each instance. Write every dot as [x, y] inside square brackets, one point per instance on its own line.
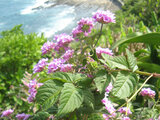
[48, 20]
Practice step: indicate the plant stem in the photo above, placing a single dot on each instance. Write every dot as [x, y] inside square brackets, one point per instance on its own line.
[138, 72]
[139, 88]
[99, 35]
[133, 94]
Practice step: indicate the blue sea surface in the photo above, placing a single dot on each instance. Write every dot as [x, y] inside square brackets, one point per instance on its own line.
[47, 20]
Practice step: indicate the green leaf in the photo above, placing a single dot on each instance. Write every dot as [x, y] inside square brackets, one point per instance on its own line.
[125, 84]
[41, 116]
[102, 80]
[150, 38]
[149, 67]
[131, 61]
[69, 77]
[48, 93]
[70, 99]
[116, 61]
[88, 98]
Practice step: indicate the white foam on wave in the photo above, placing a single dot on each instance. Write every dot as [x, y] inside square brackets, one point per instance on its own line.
[38, 4]
[58, 26]
[61, 23]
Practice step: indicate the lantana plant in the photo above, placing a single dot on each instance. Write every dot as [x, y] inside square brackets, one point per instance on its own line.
[79, 80]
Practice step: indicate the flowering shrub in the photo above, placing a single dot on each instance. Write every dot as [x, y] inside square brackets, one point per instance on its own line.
[82, 81]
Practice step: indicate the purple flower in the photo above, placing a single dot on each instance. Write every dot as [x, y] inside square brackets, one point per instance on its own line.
[68, 54]
[85, 25]
[40, 65]
[62, 41]
[76, 32]
[7, 113]
[109, 107]
[124, 109]
[109, 88]
[106, 117]
[147, 92]
[22, 116]
[47, 47]
[33, 85]
[104, 17]
[55, 65]
[66, 67]
[125, 118]
[100, 50]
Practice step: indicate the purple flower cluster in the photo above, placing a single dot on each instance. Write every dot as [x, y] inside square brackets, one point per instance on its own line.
[67, 55]
[66, 67]
[58, 64]
[40, 65]
[147, 92]
[62, 41]
[7, 113]
[100, 50]
[22, 116]
[85, 25]
[109, 106]
[104, 17]
[109, 88]
[123, 110]
[47, 47]
[33, 85]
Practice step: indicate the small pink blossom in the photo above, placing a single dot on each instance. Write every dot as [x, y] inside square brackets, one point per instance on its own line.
[147, 92]
[47, 47]
[22, 116]
[7, 113]
[40, 65]
[62, 41]
[124, 109]
[100, 50]
[109, 106]
[66, 67]
[104, 17]
[68, 54]
[109, 88]
[55, 65]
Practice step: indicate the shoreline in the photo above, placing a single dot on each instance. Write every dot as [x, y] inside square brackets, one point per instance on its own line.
[112, 5]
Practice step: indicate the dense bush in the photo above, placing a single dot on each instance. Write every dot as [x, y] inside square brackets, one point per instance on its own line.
[17, 54]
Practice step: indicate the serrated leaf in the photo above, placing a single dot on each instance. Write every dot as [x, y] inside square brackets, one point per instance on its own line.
[71, 98]
[150, 38]
[88, 98]
[102, 80]
[131, 61]
[48, 93]
[125, 84]
[116, 61]
[69, 77]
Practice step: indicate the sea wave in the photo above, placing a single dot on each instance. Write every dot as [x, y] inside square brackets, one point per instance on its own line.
[55, 27]
[37, 5]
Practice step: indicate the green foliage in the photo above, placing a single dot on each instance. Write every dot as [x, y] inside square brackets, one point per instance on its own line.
[102, 80]
[71, 98]
[125, 84]
[17, 54]
[48, 94]
[150, 38]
